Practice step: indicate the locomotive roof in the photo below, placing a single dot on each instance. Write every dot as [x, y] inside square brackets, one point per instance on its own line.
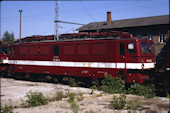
[86, 39]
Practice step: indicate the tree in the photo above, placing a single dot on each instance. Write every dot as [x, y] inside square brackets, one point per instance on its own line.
[8, 37]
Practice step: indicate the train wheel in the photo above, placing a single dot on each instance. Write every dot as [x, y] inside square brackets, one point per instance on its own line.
[49, 78]
[27, 76]
[57, 79]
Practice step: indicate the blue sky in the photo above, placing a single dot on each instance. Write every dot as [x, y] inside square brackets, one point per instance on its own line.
[38, 16]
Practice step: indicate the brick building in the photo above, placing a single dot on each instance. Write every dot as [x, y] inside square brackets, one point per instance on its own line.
[154, 28]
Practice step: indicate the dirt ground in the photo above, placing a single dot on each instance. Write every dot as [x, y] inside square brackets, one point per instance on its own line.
[12, 91]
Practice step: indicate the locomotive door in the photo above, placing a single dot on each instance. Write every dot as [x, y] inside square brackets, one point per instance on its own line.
[121, 60]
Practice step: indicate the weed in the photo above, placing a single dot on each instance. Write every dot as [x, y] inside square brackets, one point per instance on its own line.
[134, 105]
[6, 109]
[130, 105]
[72, 102]
[167, 95]
[60, 95]
[74, 107]
[118, 102]
[35, 99]
[72, 82]
[80, 97]
[112, 84]
[93, 87]
[71, 97]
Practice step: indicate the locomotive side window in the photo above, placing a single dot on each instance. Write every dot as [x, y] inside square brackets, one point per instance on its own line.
[144, 47]
[151, 48]
[56, 50]
[121, 49]
[99, 49]
[131, 48]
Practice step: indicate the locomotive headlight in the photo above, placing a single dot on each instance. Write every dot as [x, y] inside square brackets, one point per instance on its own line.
[142, 63]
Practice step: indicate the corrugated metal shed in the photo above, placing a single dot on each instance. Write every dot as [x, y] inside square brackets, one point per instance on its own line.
[146, 21]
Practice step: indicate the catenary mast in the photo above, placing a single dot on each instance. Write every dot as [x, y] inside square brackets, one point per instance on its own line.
[57, 16]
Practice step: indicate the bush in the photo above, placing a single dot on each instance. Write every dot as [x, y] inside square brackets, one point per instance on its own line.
[142, 90]
[72, 82]
[112, 85]
[35, 99]
[118, 102]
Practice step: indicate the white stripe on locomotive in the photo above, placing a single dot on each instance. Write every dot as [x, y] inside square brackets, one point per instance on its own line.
[82, 64]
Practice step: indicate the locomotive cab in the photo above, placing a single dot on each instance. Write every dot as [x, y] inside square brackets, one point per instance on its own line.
[4, 52]
[137, 59]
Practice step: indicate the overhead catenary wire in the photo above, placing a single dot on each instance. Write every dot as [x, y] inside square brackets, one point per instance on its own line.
[87, 11]
[68, 22]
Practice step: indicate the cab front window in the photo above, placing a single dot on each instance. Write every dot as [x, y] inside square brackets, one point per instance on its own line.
[4, 50]
[151, 48]
[144, 47]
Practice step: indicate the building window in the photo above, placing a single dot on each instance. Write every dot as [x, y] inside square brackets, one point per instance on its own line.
[150, 37]
[139, 36]
[161, 38]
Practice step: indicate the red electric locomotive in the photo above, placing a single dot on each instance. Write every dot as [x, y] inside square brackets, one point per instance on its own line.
[130, 58]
